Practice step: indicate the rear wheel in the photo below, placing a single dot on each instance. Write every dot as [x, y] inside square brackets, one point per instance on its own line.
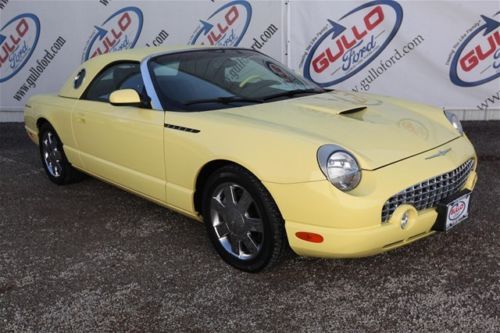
[54, 161]
[242, 220]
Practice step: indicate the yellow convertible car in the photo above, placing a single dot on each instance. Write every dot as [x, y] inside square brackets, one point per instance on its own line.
[264, 157]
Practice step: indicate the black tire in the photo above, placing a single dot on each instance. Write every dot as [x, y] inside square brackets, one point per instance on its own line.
[54, 161]
[267, 237]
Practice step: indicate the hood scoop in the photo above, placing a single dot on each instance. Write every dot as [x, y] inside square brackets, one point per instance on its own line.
[353, 110]
[355, 113]
[333, 110]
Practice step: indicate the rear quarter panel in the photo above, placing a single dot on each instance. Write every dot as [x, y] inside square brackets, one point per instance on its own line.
[57, 111]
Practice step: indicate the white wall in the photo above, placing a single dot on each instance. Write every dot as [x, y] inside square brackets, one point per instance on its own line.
[406, 49]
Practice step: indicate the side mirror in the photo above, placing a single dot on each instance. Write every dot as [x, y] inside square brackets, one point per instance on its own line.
[125, 97]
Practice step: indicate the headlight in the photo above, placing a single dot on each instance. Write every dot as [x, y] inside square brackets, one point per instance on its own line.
[455, 122]
[340, 167]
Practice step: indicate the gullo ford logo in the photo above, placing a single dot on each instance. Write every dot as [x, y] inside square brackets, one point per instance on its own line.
[477, 59]
[119, 32]
[351, 43]
[456, 210]
[225, 27]
[18, 39]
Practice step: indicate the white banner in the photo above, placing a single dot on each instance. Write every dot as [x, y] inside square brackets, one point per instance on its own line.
[437, 52]
[445, 53]
[42, 42]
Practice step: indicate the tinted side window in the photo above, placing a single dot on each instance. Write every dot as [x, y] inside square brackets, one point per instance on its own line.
[119, 76]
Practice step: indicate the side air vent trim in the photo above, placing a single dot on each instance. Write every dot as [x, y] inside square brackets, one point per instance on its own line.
[181, 128]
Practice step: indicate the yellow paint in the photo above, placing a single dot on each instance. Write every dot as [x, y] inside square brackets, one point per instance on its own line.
[277, 142]
[124, 96]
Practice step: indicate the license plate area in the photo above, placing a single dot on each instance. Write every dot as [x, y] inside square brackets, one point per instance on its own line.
[452, 211]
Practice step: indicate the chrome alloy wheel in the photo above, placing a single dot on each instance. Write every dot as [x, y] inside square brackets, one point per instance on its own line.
[237, 221]
[51, 155]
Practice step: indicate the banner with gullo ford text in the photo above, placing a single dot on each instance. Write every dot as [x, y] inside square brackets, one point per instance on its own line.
[42, 42]
[445, 53]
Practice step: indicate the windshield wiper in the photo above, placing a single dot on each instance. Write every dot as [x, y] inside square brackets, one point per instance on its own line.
[224, 100]
[292, 93]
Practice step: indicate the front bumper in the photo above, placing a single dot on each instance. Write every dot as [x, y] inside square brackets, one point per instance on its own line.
[32, 134]
[351, 223]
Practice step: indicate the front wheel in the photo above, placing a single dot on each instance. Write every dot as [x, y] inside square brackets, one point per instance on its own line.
[242, 220]
[54, 161]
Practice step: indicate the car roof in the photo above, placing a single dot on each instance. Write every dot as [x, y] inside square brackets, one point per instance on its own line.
[95, 65]
[139, 54]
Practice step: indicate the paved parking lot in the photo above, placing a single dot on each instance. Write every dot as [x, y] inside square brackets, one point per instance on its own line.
[90, 257]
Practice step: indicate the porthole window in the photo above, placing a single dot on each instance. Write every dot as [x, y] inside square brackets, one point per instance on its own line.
[79, 79]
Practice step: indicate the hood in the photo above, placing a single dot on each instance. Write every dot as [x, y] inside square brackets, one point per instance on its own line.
[377, 130]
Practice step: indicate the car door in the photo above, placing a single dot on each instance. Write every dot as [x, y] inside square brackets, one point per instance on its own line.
[122, 144]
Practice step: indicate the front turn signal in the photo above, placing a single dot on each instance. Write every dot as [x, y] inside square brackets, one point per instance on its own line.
[309, 237]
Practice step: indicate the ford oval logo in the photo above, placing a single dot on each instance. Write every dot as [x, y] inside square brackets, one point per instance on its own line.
[351, 43]
[18, 40]
[119, 32]
[225, 27]
[477, 60]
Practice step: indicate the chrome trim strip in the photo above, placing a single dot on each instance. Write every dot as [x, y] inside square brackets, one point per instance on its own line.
[148, 84]
[439, 153]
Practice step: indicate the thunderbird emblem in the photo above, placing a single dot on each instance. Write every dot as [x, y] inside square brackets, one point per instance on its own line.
[439, 153]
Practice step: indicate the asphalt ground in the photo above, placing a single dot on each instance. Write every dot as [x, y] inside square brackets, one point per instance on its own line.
[90, 257]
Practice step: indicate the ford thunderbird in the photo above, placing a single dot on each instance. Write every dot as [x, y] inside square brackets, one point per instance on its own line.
[265, 158]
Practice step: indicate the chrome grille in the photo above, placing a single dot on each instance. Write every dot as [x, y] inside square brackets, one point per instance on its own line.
[428, 193]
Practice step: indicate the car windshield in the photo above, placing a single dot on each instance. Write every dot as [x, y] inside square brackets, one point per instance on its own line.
[221, 78]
